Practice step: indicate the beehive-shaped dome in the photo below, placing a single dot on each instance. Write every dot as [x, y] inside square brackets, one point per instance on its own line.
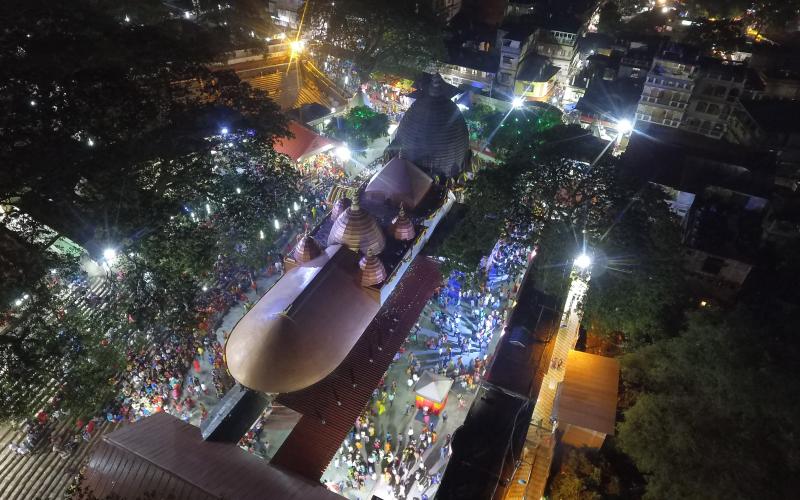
[306, 249]
[339, 206]
[402, 227]
[373, 271]
[357, 230]
[433, 134]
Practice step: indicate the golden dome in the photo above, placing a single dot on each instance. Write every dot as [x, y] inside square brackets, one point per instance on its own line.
[340, 206]
[373, 271]
[306, 249]
[357, 230]
[402, 227]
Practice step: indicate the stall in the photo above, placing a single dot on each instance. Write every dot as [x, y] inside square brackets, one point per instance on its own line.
[431, 392]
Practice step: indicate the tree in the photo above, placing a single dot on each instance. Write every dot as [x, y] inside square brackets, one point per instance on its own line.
[717, 36]
[638, 286]
[395, 36]
[610, 18]
[716, 407]
[584, 474]
[359, 127]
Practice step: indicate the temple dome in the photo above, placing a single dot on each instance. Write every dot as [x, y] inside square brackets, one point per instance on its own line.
[373, 271]
[433, 133]
[402, 228]
[357, 230]
[339, 206]
[306, 249]
[401, 182]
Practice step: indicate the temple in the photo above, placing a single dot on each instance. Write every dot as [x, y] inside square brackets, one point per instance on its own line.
[320, 340]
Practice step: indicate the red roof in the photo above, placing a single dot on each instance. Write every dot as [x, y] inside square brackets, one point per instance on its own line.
[166, 457]
[330, 407]
[305, 143]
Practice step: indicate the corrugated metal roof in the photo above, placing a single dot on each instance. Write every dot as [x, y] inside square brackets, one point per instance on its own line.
[166, 456]
[588, 395]
[331, 406]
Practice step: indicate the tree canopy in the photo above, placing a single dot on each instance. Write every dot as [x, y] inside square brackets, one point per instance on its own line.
[359, 127]
[399, 37]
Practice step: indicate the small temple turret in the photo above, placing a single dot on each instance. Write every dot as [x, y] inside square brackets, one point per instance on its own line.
[373, 272]
[306, 249]
[339, 206]
[357, 230]
[402, 228]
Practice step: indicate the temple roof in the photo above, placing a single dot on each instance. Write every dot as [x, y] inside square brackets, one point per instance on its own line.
[399, 181]
[373, 272]
[305, 143]
[402, 228]
[357, 230]
[306, 249]
[433, 134]
[297, 334]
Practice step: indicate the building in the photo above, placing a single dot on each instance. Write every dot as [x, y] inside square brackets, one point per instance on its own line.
[586, 401]
[286, 12]
[668, 87]
[558, 41]
[433, 134]
[514, 43]
[722, 233]
[470, 68]
[536, 79]
[717, 90]
[771, 125]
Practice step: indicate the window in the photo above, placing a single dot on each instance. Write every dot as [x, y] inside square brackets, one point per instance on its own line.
[713, 109]
[506, 43]
[508, 60]
[701, 107]
[713, 265]
[719, 91]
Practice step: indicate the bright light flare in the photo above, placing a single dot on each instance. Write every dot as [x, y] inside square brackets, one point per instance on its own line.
[297, 46]
[517, 102]
[343, 153]
[110, 255]
[624, 126]
[583, 261]
[223, 131]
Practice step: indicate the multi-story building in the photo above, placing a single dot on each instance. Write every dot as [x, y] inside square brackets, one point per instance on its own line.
[514, 44]
[559, 44]
[717, 90]
[473, 68]
[668, 88]
[285, 12]
[536, 78]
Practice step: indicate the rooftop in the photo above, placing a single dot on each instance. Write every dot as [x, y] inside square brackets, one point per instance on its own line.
[588, 395]
[536, 68]
[473, 59]
[165, 455]
[775, 116]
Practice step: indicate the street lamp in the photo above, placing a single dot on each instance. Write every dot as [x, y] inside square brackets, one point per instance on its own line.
[624, 126]
[223, 131]
[583, 261]
[110, 255]
[343, 153]
[517, 102]
[297, 46]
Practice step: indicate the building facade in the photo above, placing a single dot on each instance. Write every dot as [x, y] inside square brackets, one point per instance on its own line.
[667, 90]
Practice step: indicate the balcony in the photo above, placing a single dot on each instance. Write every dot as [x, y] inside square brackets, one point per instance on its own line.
[660, 101]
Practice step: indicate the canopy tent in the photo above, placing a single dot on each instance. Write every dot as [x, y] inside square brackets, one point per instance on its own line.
[304, 144]
[431, 391]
